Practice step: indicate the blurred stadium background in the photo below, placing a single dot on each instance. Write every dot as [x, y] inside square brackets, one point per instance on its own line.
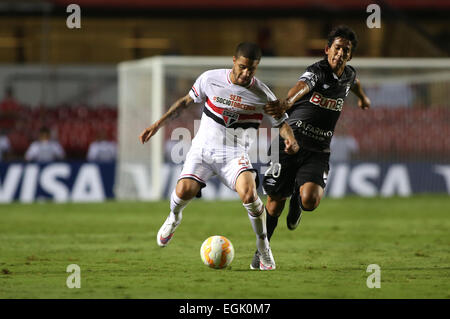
[128, 62]
[69, 80]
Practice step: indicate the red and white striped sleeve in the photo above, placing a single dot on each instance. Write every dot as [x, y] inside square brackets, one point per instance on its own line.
[197, 92]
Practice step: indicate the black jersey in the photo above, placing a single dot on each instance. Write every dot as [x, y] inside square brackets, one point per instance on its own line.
[313, 117]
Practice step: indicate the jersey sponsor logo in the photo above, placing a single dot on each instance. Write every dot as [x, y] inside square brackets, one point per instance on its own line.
[234, 101]
[313, 131]
[229, 117]
[326, 102]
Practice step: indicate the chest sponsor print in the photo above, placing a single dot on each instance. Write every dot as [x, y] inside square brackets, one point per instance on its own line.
[326, 102]
[313, 131]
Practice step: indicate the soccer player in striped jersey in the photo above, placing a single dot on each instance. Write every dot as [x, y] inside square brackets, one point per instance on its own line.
[234, 101]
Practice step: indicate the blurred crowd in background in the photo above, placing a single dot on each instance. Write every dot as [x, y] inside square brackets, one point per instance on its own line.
[43, 133]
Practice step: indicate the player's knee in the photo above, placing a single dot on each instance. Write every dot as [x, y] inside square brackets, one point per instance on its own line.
[186, 191]
[249, 196]
[310, 202]
[310, 196]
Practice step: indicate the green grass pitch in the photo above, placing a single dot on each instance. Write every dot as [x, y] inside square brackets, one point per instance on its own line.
[114, 244]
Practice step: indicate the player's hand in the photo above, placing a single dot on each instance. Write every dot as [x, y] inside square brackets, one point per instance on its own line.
[364, 103]
[274, 108]
[291, 146]
[148, 132]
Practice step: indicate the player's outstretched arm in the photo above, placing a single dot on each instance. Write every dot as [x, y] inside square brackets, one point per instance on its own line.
[299, 90]
[295, 93]
[285, 130]
[172, 113]
[289, 139]
[364, 101]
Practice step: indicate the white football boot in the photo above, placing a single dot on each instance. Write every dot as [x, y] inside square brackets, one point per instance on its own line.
[255, 261]
[167, 230]
[266, 261]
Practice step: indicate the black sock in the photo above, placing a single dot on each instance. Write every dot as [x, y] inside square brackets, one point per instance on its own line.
[272, 222]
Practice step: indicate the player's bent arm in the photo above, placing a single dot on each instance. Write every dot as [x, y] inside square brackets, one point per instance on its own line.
[277, 109]
[289, 139]
[364, 101]
[176, 108]
[173, 112]
[279, 120]
[299, 90]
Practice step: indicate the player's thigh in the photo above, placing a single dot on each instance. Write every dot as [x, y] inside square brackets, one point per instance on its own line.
[279, 178]
[238, 174]
[311, 178]
[194, 175]
[231, 168]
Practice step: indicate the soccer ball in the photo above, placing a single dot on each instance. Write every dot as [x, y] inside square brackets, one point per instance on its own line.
[217, 252]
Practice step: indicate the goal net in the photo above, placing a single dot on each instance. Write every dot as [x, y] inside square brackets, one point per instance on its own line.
[409, 120]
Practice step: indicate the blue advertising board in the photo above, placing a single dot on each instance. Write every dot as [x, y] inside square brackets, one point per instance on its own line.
[94, 182]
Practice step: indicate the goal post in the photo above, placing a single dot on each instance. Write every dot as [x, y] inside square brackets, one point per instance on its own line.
[147, 87]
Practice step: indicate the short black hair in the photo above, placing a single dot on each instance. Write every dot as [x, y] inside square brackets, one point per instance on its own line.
[248, 50]
[342, 31]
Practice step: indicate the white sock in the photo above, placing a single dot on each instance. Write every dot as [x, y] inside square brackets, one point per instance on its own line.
[176, 206]
[258, 220]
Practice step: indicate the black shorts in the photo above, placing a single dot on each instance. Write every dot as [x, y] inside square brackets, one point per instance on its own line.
[292, 171]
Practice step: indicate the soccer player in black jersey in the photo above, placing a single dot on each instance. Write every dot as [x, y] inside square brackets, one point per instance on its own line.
[313, 104]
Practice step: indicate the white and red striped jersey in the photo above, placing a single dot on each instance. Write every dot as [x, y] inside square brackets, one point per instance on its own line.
[228, 106]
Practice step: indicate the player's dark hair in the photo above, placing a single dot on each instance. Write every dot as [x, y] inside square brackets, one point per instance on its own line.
[248, 50]
[345, 32]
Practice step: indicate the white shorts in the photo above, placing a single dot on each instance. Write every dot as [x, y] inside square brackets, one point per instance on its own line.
[201, 164]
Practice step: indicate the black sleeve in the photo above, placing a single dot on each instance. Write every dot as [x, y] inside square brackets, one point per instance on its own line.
[353, 82]
[312, 76]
